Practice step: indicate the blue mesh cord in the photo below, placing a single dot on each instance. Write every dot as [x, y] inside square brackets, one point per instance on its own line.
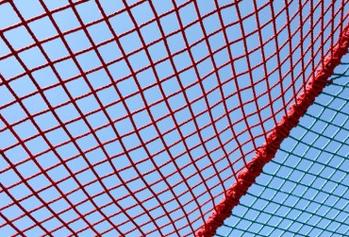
[304, 191]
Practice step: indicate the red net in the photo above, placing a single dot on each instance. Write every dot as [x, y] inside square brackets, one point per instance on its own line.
[135, 117]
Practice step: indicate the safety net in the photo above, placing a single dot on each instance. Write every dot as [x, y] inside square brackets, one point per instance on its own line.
[304, 190]
[153, 118]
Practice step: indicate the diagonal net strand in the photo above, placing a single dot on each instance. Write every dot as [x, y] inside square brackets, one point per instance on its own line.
[134, 118]
[304, 191]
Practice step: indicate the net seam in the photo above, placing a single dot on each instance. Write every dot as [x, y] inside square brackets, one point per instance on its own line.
[267, 151]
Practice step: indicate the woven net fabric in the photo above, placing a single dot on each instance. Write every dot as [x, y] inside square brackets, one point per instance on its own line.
[135, 118]
[304, 190]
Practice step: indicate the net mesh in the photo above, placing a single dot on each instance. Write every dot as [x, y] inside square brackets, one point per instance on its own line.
[304, 190]
[134, 117]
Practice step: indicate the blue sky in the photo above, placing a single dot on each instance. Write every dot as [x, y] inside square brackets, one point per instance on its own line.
[81, 80]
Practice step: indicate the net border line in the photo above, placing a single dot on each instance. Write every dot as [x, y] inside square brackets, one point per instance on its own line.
[266, 152]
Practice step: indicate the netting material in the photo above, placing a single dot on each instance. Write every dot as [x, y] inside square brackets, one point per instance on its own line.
[165, 114]
[267, 151]
[304, 190]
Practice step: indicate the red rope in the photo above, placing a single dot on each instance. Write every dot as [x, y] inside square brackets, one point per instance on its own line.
[265, 153]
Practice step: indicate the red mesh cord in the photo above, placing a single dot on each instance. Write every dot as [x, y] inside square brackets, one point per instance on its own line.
[150, 118]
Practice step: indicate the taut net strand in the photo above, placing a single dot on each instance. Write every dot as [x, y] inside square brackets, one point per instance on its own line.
[147, 118]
